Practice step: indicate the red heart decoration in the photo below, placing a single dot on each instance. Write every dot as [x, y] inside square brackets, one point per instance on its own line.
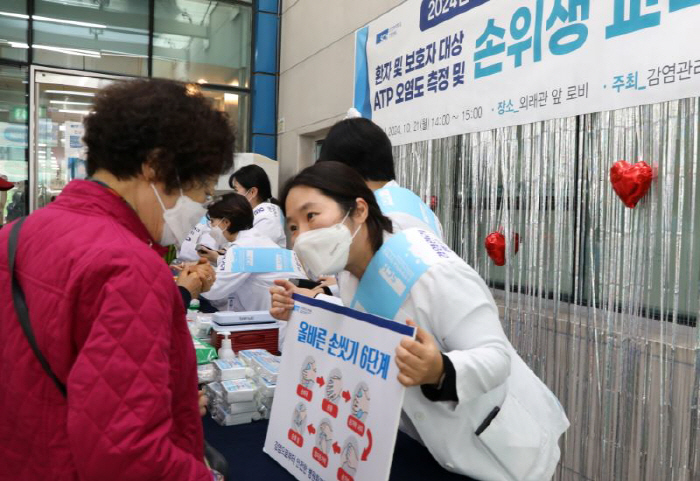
[496, 247]
[631, 181]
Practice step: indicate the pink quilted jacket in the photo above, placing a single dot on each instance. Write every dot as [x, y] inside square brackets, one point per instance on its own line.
[110, 321]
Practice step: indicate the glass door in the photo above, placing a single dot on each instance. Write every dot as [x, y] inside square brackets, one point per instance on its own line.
[59, 99]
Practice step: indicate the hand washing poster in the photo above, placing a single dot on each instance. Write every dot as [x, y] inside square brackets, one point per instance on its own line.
[337, 404]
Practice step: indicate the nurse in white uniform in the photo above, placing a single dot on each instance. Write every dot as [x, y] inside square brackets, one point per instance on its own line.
[252, 182]
[238, 290]
[471, 400]
[198, 242]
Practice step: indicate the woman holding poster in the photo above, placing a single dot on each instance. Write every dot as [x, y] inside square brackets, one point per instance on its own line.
[471, 399]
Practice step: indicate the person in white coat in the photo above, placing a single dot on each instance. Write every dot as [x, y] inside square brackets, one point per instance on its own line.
[237, 291]
[198, 243]
[470, 399]
[364, 146]
[252, 182]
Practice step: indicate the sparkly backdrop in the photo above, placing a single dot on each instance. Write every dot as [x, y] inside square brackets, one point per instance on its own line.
[600, 300]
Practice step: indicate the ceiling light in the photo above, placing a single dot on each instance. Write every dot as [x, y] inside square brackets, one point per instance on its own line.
[68, 102]
[68, 111]
[69, 92]
[16, 15]
[113, 53]
[69, 51]
[70, 22]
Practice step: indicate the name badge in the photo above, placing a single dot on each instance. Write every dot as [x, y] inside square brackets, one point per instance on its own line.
[389, 277]
[263, 259]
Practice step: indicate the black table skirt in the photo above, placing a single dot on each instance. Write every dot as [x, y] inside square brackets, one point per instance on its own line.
[242, 446]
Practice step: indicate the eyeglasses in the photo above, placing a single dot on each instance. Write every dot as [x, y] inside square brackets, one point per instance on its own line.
[209, 222]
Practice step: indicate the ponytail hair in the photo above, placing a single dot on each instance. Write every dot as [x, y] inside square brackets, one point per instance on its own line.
[254, 176]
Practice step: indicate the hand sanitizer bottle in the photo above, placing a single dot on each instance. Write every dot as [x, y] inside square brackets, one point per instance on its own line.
[225, 351]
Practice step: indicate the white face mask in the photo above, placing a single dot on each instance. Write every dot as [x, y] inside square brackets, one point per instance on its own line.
[325, 251]
[249, 199]
[180, 219]
[218, 235]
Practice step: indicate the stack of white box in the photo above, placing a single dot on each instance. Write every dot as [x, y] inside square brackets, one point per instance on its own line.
[231, 396]
[243, 387]
[266, 368]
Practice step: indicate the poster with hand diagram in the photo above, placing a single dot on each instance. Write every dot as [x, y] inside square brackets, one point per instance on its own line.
[338, 402]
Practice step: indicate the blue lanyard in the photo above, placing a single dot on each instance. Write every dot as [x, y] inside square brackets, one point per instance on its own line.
[389, 277]
[397, 199]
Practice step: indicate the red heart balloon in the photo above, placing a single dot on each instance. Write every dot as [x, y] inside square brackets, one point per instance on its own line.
[496, 247]
[631, 181]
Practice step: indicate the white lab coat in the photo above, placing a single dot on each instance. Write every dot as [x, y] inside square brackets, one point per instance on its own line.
[402, 221]
[198, 235]
[245, 291]
[452, 303]
[268, 221]
[242, 291]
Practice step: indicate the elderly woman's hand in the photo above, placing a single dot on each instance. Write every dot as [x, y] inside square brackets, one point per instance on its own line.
[189, 279]
[203, 400]
[206, 274]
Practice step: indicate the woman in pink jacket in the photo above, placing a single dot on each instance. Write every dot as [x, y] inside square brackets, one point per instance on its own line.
[102, 302]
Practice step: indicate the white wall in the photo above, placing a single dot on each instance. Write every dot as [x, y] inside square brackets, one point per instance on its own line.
[317, 71]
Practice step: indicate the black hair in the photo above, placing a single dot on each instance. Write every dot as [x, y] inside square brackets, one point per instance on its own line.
[344, 185]
[251, 176]
[169, 125]
[362, 145]
[236, 209]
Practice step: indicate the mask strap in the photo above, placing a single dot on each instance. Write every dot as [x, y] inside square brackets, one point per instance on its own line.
[158, 196]
[356, 230]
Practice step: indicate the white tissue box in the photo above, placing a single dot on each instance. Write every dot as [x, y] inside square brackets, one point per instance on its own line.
[226, 419]
[268, 367]
[248, 355]
[238, 390]
[265, 387]
[227, 370]
[238, 407]
[206, 373]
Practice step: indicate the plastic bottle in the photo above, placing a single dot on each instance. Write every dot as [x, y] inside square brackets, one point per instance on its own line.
[225, 351]
[175, 264]
[192, 310]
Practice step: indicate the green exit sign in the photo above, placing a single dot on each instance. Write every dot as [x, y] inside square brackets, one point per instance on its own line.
[18, 114]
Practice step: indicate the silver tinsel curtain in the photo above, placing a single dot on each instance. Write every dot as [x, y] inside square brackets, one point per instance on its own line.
[600, 300]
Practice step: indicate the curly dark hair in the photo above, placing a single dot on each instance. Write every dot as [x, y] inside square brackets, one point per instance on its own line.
[170, 125]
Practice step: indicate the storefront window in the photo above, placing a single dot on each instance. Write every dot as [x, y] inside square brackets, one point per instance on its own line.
[82, 34]
[14, 23]
[237, 106]
[13, 142]
[202, 41]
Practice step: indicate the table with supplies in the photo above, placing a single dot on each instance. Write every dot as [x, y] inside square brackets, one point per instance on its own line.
[242, 445]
